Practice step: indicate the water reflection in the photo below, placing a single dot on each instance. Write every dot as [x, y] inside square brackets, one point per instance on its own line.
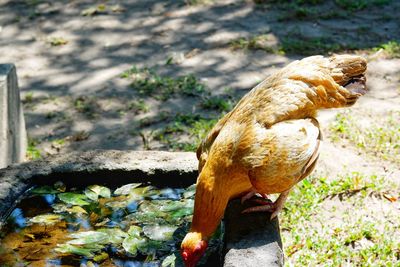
[17, 218]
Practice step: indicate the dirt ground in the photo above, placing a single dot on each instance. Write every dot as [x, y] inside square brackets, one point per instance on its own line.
[70, 56]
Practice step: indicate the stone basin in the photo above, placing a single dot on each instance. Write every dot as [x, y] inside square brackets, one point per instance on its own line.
[249, 240]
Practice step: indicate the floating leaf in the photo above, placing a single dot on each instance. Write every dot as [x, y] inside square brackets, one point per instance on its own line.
[46, 219]
[151, 247]
[159, 232]
[190, 191]
[73, 198]
[101, 257]
[44, 190]
[62, 207]
[126, 189]
[134, 231]
[94, 191]
[169, 261]
[131, 243]
[60, 186]
[115, 235]
[86, 251]
[70, 249]
[88, 237]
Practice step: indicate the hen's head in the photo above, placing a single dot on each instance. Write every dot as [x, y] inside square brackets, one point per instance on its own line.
[193, 248]
[348, 71]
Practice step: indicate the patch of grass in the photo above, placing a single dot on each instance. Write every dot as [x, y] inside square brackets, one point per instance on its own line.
[148, 83]
[198, 2]
[311, 46]
[378, 139]
[354, 236]
[391, 49]
[32, 151]
[86, 105]
[216, 103]
[28, 97]
[295, 44]
[355, 5]
[138, 106]
[257, 42]
[58, 41]
[185, 132]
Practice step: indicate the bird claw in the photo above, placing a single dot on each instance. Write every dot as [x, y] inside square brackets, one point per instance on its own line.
[250, 194]
[263, 208]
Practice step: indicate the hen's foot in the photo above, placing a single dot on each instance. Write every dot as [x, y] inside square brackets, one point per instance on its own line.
[250, 194]
[268, 206]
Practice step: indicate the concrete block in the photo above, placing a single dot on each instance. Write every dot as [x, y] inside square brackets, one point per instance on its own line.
[13, 139]
[251, 239]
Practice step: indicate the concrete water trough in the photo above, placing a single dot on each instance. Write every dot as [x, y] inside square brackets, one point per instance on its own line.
[249, 239]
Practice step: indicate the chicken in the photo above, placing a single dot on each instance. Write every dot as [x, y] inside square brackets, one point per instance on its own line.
[269, 141]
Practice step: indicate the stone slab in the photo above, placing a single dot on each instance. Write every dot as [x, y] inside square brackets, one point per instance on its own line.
[251, 239]
[13, 139]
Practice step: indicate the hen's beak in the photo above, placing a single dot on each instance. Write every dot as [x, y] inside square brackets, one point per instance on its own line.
[356, 85]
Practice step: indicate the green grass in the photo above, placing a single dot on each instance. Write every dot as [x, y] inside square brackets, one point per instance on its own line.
[338, 223]
[355, 5]
[148, 83]
[32, 152]
[193, 127]
[391, 49]
[86, 105]
[380, 139]
[256, 42]
[295, 44]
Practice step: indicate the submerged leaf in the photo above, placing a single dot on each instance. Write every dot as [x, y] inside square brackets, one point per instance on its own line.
[169, 261]
[159, 232]
[46, 219]
[102, 257]
[62, 207]
[88, 237]
[190, 191]
[73, 198]
[131, 243]
[134, 231]
[126, 189]
[44, 190]
[94, 191]
[151, 247]
[70, 249]
[115, 235]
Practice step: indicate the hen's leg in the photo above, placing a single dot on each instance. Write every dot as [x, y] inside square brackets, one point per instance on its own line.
[275, 207]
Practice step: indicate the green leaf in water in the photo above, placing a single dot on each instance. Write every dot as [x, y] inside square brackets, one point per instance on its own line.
[126, 189]
[94, 191]
[115, 235]
[190, 191]
[62, 207]
[44, 190]
[131, 243]
[141, 192]
[169, 261]
[70, 249]
[88, 237]
[134, 231]
[159, 232]
[101, 257]
[151, 247]
[73, 198]
[46, 219]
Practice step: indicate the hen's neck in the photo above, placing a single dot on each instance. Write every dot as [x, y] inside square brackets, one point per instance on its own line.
[214, 190]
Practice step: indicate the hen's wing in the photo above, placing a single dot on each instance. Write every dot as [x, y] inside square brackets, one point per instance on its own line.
[279, 157]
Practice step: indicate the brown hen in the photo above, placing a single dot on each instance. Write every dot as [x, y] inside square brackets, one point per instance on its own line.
[269, 141]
